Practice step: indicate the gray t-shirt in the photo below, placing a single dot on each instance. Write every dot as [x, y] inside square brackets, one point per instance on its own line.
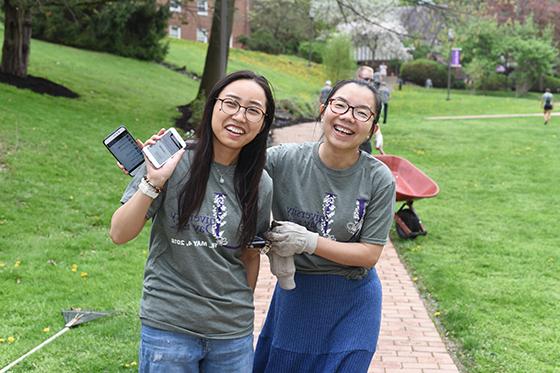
[547, 98]
[349, 205]
[194, 280]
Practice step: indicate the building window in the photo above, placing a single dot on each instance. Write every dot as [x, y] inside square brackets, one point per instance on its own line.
[175, 6]
[202, 7]
[202, 35]
[175, 32]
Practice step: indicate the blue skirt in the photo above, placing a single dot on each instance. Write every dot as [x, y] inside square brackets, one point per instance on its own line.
[326, 324]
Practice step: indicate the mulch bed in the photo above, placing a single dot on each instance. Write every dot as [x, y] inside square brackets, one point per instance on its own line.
[38, 85]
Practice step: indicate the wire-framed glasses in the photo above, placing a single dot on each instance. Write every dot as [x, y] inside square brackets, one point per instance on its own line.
[252, 113]
[361, 113]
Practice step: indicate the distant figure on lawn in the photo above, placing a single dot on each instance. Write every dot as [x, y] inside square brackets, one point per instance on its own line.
[325, 91]
[429, 83]
[546, 103]
[384, 96]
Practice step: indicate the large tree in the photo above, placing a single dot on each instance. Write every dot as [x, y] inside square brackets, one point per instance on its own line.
[215, 66]
[17, 37]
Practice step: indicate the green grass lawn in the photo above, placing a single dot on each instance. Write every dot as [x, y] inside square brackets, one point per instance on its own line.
[490, 261]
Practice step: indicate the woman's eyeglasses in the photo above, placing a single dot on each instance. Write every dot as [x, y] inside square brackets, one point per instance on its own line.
[252, 113]
[361, 113]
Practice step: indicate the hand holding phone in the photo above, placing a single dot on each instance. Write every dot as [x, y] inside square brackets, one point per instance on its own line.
[163, 147]
[162, 157]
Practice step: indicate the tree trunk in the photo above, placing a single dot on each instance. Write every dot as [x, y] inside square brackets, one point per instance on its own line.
[17, 38]
[215, 66]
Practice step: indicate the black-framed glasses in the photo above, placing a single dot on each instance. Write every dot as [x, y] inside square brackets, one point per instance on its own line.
[252, 113]
[361, 113]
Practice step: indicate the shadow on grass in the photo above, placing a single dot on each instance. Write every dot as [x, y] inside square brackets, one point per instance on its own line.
[38, 85]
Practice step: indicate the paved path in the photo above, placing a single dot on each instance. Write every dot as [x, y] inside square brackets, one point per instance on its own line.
[409, 341]
[489, 116]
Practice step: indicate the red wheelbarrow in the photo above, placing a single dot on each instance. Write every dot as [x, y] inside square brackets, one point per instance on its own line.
[412, 184]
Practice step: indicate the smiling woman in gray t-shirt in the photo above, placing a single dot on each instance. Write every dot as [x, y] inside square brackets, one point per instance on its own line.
[206, 204]
[334, 204]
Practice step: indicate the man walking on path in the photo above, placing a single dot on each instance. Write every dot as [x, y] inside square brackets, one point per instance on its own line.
[366, 73]
[325, 91]
[546, 103]
[384, 96]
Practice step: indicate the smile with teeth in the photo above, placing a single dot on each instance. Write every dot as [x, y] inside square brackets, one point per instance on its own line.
[343, 130]
[235, 130]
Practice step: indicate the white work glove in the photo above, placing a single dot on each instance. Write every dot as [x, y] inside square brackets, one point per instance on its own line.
[378, 140]
[284, 268]
[289, 238]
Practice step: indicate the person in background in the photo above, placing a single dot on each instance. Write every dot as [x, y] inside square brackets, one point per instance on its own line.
[383, 72]
[325, 91]
[366, 74]
[547, 105]
[333, 208]
[384, 96]
[206, 205]
[429, 83]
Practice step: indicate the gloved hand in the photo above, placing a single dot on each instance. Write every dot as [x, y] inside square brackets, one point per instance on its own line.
[284, 269]
[378, 140]
[289, 238]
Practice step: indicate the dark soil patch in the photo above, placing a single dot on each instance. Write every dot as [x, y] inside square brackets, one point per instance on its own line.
[182, 121]
[38, 85]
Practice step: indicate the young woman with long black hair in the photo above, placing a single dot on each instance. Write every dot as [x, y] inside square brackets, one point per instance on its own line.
[207, 204]
[333, 205]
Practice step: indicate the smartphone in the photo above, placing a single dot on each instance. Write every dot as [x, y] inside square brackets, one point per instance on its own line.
[160, 152]
[125, 149]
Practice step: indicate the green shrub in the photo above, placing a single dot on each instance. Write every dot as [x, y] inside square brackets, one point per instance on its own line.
[315, 48]
[495, 82]
[128, 28]
[263, 41]
[417, 71]
[297, 109]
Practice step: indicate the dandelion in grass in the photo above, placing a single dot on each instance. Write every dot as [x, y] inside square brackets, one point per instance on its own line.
[437, 313]
[84, 274]
[47, 329]
[17, 264]
[2, 340]
[74, 268]
[11, 340]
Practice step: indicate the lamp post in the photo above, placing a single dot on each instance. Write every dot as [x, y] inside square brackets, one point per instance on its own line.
[450, 38]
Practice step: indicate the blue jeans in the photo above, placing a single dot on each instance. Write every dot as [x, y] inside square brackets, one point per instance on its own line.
[162, 351]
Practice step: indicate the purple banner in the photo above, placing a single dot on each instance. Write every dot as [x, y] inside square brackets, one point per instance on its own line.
[456, 57]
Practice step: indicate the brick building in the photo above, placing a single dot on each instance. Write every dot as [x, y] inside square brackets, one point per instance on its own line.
[193, 20]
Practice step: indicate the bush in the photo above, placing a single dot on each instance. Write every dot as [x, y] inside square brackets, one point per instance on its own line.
[263, 41]
[417, 71]
[495, 82]
[289, 111]
[128, 28]
[316, 48]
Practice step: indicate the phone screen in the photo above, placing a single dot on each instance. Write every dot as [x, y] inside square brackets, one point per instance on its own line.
[127, 152]
[165, 147]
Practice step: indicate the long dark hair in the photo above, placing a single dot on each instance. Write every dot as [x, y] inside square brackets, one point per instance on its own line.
[376, 104]
[250, 163]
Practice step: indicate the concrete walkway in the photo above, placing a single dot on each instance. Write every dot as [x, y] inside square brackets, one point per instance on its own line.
[490, 116]
[409, 341]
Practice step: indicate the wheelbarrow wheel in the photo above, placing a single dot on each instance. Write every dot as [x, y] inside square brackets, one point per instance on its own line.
[408, 224]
